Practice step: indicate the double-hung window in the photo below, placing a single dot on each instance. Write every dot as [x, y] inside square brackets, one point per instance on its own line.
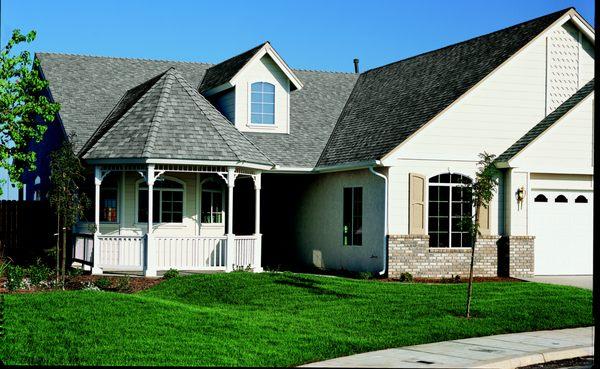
[450, 210]
[352, 231]
[262, 103]
[212, 202]
[109, 190]
[167, 201]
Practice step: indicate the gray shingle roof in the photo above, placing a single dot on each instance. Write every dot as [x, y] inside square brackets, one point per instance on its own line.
[390, 103]
[89, 87]
[223, 72]
[166, 118]
[547, 122]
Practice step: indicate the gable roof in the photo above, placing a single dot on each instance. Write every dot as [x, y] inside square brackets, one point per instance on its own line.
[546, 123]
[390, 103]
[89, 87]
[223, 72]
[166, 118]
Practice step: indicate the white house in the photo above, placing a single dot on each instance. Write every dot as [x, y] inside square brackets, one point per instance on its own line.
[249, 163]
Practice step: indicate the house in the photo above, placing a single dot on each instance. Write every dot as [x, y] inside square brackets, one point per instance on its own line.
[249, 162]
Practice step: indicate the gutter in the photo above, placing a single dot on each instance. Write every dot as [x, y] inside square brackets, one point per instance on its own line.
[385, 218]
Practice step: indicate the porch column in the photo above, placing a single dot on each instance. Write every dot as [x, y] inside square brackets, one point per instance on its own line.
[230, 236]
[150, 266]
[96, 250]
[258, 243]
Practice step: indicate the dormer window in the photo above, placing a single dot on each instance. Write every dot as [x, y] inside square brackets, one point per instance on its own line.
[262, 102]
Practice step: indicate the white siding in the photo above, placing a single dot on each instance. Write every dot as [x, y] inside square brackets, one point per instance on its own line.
[263, 70]
[321, 220]
[565, 145]
[492, 116]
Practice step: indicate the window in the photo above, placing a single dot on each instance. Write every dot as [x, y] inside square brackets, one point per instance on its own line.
[450, 206]
[581, 199]
[561, 198]
[167, 202]
[262, 103]
[212, 202]
[353, 216]
[540, 198]
[108, 199]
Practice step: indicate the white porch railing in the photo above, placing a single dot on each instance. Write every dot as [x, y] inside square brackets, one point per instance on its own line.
[244, 249]
[191, 253]
[121, 252]
[177, 252]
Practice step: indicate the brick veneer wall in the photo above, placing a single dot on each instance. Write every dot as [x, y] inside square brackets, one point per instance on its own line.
[520, 256]
[412, 254]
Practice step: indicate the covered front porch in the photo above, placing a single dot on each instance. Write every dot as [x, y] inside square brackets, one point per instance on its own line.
[154, 217]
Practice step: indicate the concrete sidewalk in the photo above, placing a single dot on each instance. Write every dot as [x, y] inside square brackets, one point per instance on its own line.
[501, 351]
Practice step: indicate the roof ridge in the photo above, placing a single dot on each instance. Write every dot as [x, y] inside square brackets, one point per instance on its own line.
[321, 71]
[469, 40]
[158, 113]
[88, 145]
[123, 58]
[243, 52]
[187, 87]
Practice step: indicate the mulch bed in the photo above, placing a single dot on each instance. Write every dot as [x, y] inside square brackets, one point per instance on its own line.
[135, 284]
[578, 362]
[452, 280]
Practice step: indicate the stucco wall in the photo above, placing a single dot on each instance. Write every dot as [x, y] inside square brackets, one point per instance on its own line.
[320, 221]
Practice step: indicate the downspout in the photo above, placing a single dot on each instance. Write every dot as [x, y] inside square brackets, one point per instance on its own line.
[385, 219]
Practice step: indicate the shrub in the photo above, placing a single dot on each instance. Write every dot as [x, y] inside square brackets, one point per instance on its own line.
[102, 283]
[456, 279]
[124, 284]
[406, 277]
[3, 265]
[365, 275]
[171, 273]
[74, 272]
[38, 273]
[14, 276]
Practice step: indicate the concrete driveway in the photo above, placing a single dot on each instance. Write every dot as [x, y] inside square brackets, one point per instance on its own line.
[581, 281]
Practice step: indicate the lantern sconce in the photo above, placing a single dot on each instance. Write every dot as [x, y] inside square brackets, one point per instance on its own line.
[520, 197]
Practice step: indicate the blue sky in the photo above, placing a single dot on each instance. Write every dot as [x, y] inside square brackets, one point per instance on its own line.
[309, 34]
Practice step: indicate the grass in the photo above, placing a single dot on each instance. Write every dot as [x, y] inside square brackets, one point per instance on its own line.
[284, 319]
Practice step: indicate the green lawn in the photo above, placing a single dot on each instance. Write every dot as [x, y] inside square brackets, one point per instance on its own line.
[269, 319]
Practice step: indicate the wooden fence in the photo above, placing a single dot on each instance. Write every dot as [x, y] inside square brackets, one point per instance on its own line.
[26, 229]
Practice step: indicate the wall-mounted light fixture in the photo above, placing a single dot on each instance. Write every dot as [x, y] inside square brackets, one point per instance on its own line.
[520, 195]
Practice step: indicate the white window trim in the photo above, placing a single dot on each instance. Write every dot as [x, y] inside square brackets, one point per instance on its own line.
[222, 223]
[429, 184]
[268, 126]
[156, 221]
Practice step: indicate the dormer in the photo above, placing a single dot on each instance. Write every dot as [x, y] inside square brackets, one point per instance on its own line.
[252, 90]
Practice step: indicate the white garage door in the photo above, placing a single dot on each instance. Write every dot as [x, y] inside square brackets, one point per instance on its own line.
[561, 222]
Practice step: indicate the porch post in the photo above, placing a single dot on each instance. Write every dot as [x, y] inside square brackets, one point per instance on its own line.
[96, 250]
[230, 235]
[150, 266]
[257, 235]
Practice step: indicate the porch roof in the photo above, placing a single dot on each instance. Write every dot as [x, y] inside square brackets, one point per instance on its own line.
[166, 118]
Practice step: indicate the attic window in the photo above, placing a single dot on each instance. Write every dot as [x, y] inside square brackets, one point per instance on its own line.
[262, 103]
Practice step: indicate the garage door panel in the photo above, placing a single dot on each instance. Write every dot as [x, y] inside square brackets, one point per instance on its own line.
[563, 230]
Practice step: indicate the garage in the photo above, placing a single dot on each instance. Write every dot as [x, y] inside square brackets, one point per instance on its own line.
[561, 221]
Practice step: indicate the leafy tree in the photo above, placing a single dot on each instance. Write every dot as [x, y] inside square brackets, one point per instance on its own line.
[66, 196]
[482, 191]
[24, 111]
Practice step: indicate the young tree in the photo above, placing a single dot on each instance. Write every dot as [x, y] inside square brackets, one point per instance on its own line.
[482, 191]
[66, 197]
[24, 112]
